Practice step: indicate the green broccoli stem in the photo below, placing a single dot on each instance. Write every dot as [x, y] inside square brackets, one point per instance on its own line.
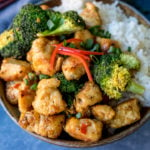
[135, 88]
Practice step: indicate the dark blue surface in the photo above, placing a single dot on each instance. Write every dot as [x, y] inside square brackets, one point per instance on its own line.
[13, 137]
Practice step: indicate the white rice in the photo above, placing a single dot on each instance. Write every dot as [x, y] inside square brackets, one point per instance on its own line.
[128, 32]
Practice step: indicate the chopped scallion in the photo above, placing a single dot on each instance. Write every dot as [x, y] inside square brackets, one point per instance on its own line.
[26, 81]
[129, 49]
[43, 76]
[31, 75]
[78, 115]
[33, 86]
[71, 45]
[89, 43]
[64, 43]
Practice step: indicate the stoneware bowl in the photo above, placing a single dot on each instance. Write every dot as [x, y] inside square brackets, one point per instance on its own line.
[64, 139]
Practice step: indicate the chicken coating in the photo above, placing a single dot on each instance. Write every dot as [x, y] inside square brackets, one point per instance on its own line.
[39, 56]
[25, 98]
[13, 69]
[103, 112]
[48, 126]
[59, 61]
[127, 113]
[84, 129]
[48, 100]
[107, 43]
[72, 68]
[12, 91]
[90, 15]
[83, 35]
[89, 95]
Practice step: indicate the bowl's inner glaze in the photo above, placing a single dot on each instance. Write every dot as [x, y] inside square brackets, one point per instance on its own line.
[64, 139]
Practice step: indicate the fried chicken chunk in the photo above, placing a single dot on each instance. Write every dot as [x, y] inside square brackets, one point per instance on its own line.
[127, 113]
[25, 98]
[107, 43]
[103, 112]
[72, 68]
[13, 69]
[48, 100]
[84, 129]
[48, 126]
[89, 95]
[39, 56]
[90, 15]
[83, 35]
[12, 91]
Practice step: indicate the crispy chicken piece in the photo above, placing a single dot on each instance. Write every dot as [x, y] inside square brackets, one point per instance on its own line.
[90, 15]
[72, 68]
[12, 91]
[48, 126]
[103, 112]
[48, 100]
[59, 61]
[25, 98]
[84, 129]
[127, 113]
[39, 56]
[89, 95]
[13, 69]
[83, 35]
[107, 43]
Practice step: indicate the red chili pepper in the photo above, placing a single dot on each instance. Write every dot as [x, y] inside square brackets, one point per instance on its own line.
[16, 85]
[83, 56]
[53, 57]
[84, 128]
[79, 54]
[82, 60]
[80, 51]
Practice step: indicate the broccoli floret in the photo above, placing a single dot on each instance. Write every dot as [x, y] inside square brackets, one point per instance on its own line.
[113, 78]
[29, 21]
[6, 38]
[65, 23]
[130, 61]
[127, 59]
[67, 86]
[9, 46]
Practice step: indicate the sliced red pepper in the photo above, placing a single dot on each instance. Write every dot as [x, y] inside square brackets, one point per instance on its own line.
[83, 56]
[80, 51]
[53, 57]
[84, 128]
[16, 85]
[79, 54]
[82, 60]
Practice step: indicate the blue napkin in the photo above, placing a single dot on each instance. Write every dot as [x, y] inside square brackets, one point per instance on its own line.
[8, 13]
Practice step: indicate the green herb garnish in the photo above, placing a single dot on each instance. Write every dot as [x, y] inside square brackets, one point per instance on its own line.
[43, 76]
[129, 49]
[32, 76]
[33, 86]
[97, 31]
[26, 81]
[114, 50]
[78, 115]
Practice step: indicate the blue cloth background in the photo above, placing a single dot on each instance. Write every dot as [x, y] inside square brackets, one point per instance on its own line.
[13, 137]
